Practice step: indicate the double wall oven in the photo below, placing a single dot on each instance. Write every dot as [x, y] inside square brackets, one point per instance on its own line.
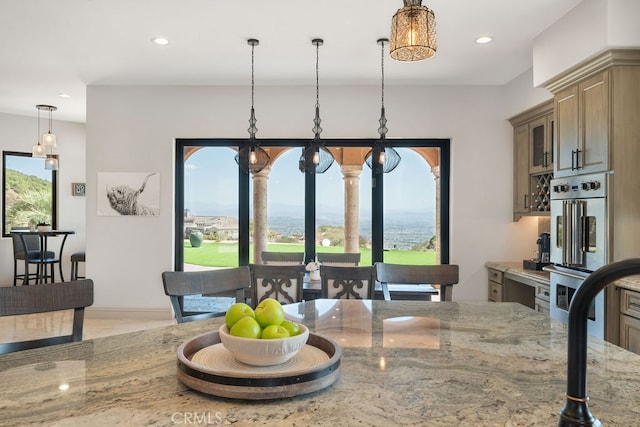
[579, 229]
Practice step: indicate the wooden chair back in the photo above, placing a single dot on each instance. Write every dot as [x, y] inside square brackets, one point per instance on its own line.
[280, 282]
[21, 300]
[443, 276]
[282, 258]
[347, 282]
[349, 259]
[225, 282]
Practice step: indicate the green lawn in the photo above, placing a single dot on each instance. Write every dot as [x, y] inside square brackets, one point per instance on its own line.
[212, 254]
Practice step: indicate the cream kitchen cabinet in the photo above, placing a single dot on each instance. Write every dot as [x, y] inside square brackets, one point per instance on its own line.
[582, 126]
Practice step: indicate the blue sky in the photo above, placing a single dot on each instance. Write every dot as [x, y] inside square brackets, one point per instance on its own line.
[28, 166]
[211, 182]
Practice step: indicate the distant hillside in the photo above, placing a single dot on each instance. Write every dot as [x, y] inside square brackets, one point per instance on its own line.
[27, 198]
[19, 182]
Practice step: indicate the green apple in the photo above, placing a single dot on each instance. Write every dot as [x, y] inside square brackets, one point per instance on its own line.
[236, 312]
[292, 327]
[273, 332]
[269, 312]
[247, 327]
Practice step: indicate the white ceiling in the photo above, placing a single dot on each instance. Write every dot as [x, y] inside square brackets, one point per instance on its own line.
[54, 46]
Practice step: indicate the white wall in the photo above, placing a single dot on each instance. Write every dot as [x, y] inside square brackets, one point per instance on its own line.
[587, 30]
[132, 129]
[19, 134]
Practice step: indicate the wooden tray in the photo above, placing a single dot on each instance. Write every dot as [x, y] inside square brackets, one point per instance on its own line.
[317, 366]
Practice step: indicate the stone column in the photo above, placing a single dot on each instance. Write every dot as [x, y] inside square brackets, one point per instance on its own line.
[260, 223]
[351, 176]
[436, 175]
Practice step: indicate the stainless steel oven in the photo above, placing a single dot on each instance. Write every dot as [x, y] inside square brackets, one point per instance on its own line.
[579, 221]
[579, 227]
[564, 282]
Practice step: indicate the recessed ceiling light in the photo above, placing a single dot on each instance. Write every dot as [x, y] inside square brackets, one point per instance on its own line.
[484, 39]
[64, 95]
[161, 41]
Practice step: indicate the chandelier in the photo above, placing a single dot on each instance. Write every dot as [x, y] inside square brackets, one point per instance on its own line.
[413, 32]
[45, 150]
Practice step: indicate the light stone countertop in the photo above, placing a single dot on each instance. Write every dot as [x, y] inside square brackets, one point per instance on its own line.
[632, 283]
[403, 363]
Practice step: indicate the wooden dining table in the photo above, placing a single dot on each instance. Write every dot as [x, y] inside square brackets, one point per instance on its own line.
[44, 236]
[402, 363]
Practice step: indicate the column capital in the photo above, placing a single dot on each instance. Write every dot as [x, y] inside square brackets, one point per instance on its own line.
[351, 170]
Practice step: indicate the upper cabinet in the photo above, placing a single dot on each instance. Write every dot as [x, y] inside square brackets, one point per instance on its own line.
[532, 160]
[541, 144]
[582, 123]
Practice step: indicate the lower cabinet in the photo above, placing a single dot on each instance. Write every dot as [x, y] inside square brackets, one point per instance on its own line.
[630, 320]
[510, 286]
[495, 285]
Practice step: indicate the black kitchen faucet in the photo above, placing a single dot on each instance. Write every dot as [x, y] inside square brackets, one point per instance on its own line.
[576, 410]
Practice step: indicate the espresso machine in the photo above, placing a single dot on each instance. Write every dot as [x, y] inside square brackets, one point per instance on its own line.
[542, 255]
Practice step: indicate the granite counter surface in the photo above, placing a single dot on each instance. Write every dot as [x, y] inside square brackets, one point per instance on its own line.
[403, 363]
[632, 283]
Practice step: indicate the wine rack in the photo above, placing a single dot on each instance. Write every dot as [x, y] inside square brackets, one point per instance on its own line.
[540, 192]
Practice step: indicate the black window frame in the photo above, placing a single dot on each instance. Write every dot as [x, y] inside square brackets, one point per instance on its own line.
[377, 220]
[54, 192]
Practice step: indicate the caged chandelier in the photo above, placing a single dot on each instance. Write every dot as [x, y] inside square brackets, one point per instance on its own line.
[413, 32]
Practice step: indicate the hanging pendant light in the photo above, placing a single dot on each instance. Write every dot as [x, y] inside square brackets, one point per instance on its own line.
[251, 157]
[386, 158]
[39, 150]
[51, 163]
[413, 32]
[315, 157]
[49, 139]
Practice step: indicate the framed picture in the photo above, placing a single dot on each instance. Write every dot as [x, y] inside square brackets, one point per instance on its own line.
[78, 188]
[128, 193]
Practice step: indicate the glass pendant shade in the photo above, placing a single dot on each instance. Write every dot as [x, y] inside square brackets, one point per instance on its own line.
[252, 158]
[51, 164]
[49, 139]
[388, 158]
[413, 32]
[315, 159]
[39, 151]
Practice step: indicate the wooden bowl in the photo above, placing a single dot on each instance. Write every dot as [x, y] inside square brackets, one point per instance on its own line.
[259, 352]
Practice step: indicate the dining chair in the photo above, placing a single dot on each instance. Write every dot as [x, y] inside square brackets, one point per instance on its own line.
[347, 259]
[442, 276]
[280, 282]
[225, 282]
[42, 298]
[282, 258]
[347, 282]
[31, 255]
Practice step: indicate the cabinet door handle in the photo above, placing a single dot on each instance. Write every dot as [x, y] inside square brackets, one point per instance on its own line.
[526, 204]
[578, 159]
[545, 159]
[573, 163]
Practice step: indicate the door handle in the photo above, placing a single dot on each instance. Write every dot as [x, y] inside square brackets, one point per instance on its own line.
[573, 156]
[578, 159]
